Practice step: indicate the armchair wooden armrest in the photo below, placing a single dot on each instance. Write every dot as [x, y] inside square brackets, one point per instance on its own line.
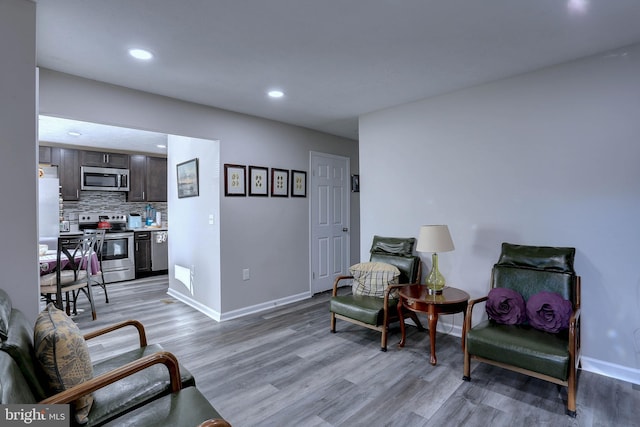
[335, 284]
[574, 335]
[467, 318]
[164, 357]
[139, 326]
[390, 288]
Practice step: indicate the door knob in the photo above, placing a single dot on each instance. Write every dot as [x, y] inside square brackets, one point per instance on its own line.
[345, 229]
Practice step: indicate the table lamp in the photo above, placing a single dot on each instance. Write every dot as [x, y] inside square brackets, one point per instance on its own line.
[434, 238]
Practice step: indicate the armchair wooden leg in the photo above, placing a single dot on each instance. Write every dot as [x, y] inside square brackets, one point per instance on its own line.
[383, 340]
[571, 395]
[466, 372]
[333, 323]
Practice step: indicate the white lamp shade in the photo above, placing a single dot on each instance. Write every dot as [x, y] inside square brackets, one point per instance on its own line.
[434, 238]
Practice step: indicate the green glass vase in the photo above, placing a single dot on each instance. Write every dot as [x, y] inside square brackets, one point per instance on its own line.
[435, 281]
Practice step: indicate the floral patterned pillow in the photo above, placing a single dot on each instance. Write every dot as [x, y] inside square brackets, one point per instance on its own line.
[64, 356]
[549, 311]
[506, 306]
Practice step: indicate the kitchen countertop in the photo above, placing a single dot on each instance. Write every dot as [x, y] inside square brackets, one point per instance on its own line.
[79, 232]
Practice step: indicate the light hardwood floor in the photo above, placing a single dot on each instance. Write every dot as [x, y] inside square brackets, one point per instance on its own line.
[284, 368]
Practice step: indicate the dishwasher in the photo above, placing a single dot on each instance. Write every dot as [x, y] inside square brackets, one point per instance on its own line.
[159, 251]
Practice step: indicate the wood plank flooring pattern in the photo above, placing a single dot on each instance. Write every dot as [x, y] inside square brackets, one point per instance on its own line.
[284, 368]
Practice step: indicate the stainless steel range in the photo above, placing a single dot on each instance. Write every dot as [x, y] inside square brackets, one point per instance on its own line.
[117, 250]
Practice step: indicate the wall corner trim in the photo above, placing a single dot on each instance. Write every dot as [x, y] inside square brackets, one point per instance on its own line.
[207, 311]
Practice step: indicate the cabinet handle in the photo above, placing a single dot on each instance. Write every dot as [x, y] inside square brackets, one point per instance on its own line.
[77, 193]
[143, 195]
[137, 247]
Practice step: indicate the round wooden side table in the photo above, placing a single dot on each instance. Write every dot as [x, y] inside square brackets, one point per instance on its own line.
[417, 299]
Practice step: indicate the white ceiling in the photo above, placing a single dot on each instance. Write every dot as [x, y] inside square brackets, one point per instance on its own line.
[73, 132]
[335, 60]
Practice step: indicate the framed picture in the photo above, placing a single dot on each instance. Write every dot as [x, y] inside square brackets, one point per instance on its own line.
[258, 181]
[187, 173]
[355, 183]
[298, 183]
[279, 182]
[234, 180]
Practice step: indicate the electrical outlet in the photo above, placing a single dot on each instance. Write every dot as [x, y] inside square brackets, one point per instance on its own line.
[211, 219]
[245, 274]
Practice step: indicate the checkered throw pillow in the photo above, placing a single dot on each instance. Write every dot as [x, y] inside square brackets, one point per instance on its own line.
[372, 278]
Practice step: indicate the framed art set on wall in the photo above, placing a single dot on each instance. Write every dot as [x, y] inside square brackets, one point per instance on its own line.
[262, 181]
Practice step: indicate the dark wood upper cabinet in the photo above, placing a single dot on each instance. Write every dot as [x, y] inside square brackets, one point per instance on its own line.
[104, 159]
[147, 179]
[156, 179]
[137, 178]
[68, 162]
[44, 155]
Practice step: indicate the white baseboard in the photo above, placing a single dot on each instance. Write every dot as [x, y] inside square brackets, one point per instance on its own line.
[610, 370]
[444, 325]
[234, 314]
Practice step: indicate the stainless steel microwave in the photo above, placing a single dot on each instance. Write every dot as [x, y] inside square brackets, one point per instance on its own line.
[104, 179]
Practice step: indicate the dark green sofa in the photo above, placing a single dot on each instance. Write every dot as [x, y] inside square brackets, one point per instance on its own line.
[374, 312]
[143, 386]
[553, 357]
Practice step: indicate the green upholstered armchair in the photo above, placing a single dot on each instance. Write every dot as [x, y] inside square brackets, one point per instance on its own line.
[376, 312]
[551, 356]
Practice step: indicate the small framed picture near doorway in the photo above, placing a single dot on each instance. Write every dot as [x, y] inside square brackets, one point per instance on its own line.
[298, 183]
[187, 173]
[355, 183]
[234, 180]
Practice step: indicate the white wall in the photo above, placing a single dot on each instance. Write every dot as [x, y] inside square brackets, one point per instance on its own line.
[18, 155]
[194, 243]
[267, 235]
[546, 158]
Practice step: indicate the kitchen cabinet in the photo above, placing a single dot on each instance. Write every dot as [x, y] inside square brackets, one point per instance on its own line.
[137, 178]
[142, 252]
[156, 179]
[44, 155]
[68, 162]
[147, 179]
[104, 159]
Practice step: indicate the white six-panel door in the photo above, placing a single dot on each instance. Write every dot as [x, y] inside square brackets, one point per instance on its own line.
[330, 187]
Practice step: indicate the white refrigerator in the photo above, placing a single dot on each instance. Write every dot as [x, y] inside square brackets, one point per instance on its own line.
[48, 211]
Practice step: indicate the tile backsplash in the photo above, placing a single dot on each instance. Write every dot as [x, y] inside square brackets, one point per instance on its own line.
[108, 201]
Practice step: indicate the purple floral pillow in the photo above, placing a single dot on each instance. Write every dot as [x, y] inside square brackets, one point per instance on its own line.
[548, 311]
[506, 306]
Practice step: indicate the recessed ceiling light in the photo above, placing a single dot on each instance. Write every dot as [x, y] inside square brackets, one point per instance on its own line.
[141, 54]
[578, 6]
[276, 93]
[73, 133]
